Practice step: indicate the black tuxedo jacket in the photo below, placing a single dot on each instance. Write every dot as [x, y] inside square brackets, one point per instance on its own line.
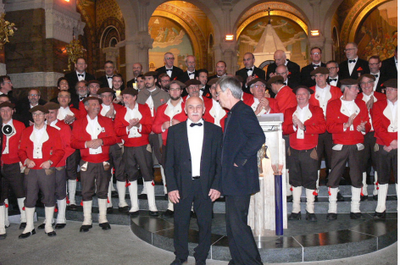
[388, 69]
[294, 71]
[103, 81]
[23, 108]
[178, 159]
[73, 79]
[243, 73]
[360, 68]
[305, 74]
[243, 137]
[176, 71]
[185, 77]
[338, 84]
[130, 83]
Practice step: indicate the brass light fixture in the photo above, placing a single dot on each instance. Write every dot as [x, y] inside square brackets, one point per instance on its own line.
[7, 30]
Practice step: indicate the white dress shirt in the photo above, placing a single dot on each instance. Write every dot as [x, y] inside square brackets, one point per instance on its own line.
[195, 138]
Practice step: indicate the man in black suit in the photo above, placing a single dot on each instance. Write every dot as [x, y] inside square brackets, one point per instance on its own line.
[24, 105]
[220, 68]
[243, 137]
[79, 74]
[6, 87]
[333, 78]
[389, 67]
[169, 67]
[191, 72]
[353, 67]
[106, 80]
[249, 72]
[193, 170]
[306, 77]
[280, 59]
[202, 76]
[81, 92]
[374, 63]
[137, 70]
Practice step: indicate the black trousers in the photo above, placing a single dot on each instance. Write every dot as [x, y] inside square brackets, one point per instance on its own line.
[61, 183]
[72, 165]
[14, 179]
[303, 168]
[138, 157]
[242, 245]
[155, 143]
[387, 162]
[117, 162]
[370, 157]
[324, 149]
[203, 209]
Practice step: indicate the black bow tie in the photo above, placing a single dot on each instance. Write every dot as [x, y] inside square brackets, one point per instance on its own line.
[191, 73]
[249, 69]
[194, 124]
[81, 98]
[376, 76]
[168, 70]
[285, 83]
[352, 61]
[315, 65]
[332, 79]
[108, 77]
[81, 75]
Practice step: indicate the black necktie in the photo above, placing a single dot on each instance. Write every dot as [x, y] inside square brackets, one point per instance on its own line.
[80, 75]
[194, 124]
[352, 61]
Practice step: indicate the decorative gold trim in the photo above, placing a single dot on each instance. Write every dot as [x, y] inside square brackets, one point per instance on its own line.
[281, 13]
[185, 26]
[361, 15]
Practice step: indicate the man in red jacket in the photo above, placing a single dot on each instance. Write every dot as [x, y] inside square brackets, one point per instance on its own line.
[40, 151]
[370, 159]
[385, 120]
[259, 102]
[303, 124]
[348, 121]
[93, 134]
[10, 164]
[168, 114]
[133, 124]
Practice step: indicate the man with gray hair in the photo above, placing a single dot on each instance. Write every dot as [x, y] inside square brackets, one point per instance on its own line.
[243, 137]
[190, 72]
[347, 119]
[169, 67]
[353, 67]
[280, 59]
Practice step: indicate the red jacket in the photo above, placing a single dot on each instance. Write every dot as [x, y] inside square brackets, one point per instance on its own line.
[117, 108]
[146, 121]
[161, 117]
[13, 144]
[249, 101]
[285, 99]
[52, 149]
[80, 136]
[211, 118]
[381, 124]
[335, 120]
[65, 134]
[315, 125]
[335, 93]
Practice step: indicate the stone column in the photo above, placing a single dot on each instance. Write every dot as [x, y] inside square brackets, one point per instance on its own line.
[318, 41]
[3, 69]
[228, 52]
[112, 53]
[137, 51]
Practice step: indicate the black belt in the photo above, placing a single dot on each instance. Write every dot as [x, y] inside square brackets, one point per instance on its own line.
[195, 177]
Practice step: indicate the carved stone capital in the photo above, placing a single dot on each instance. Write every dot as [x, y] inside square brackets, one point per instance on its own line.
[60, 26]
[143, 40]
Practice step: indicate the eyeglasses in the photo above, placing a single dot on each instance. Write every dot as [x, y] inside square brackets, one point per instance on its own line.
[33, 95]
[331, 68]
[315, 53]
[256, 86]
[390, 89]
[170, 58]
[349, 49]
[37, 114]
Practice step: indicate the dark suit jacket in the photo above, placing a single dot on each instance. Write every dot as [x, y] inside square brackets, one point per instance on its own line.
[306, 79]
[388, 69]
[360, 68]
[73, 79]
[23, 108]
[178, 159]
[104, 82]
[185, 77]
[176, 71]
[294, 71]
[243, 137]
[243, 73]
[129, 83]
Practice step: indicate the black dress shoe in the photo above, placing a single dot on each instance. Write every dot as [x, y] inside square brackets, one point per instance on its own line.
[380, 216]
[340, 197]
[52, 233]
[356, 216]
[26, 235]
[289, 198]
[3, 236]
[60, 226]
[311, 217]
[375, 197]
[85, 228]
[178, 261]
[110, 210]
[331, 216]
[22, 226]
[134, 214]
[364, 198]
[124, 209]
[295, 216]
[151, 213]
[105, 226]
[168, 213]
[41, 226]
[72, 207]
